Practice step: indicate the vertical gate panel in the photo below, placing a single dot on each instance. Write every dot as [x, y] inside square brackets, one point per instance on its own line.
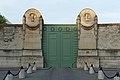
[53, 49]
[66, 47]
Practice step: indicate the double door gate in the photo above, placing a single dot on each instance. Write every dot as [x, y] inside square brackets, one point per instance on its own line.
[60, 45]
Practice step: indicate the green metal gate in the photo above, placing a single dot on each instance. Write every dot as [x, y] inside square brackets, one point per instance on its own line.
[60, 45]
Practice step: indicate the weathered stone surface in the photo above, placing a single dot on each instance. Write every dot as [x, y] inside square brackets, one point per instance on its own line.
[109, 53]
[110, 62]
[32, 39]
[87, 53]
[17, 58]
[21, 44]
[89, 59]
[11, 48]
[32, 52]
[11, 37]
[109, 36]
[9, 61]
[25, 60]
[13, 61]
[87, 39]
[11, 53]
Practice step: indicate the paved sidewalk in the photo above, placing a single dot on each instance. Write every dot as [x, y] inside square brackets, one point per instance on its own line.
[59, 74]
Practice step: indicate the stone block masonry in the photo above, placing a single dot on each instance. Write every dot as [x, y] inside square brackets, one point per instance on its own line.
[98, 44]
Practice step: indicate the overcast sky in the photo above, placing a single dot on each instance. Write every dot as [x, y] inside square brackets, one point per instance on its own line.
[61, 11]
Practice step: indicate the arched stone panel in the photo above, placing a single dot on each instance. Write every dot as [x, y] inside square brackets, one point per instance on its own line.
[87, 37]
[32, 28]
[87, 29]
[32, 37]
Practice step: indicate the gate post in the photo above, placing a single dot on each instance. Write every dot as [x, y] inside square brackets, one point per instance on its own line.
[32, 37]
[87, 38]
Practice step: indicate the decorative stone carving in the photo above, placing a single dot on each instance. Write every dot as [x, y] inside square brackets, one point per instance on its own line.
[87, 29]
[32, 29]
[32, 32]
[87, 17]
[87, 37]
[32, 17]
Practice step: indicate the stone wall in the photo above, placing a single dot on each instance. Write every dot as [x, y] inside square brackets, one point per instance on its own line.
[109, 36]
[12, 52]
[108, 48]
[109, 58]
[89, 56]
[16, 58]
[11, 37]
[32, 39]
[98, 44]
[87, 39]
[109, 45]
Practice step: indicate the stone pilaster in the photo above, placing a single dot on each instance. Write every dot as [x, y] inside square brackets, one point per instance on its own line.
[32, 41]
[87, 38]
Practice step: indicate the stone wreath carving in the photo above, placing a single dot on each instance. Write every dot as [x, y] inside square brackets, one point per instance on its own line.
[32, 18]
[87, 17]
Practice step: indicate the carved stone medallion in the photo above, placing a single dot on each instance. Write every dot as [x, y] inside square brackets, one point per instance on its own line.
[32, 17]
[87, 17]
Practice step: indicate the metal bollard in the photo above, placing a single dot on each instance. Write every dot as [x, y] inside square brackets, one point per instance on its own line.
[34, 67]
[85, 67]
[9, 76]
[117, 76]
[22, 73]
[91, 71]
[29, 69]
[100, 74]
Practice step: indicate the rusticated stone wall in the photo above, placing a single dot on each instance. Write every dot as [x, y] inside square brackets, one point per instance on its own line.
[89, 56]
[109, 58]
[109, 45]
[98, 44]
[12, 52]
[11, 37]
[107, 52]
[109, 36]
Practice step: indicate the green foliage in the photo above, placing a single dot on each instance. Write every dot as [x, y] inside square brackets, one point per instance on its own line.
[2, 19]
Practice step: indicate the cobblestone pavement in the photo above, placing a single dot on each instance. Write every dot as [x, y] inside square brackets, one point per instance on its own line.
[59, 74]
